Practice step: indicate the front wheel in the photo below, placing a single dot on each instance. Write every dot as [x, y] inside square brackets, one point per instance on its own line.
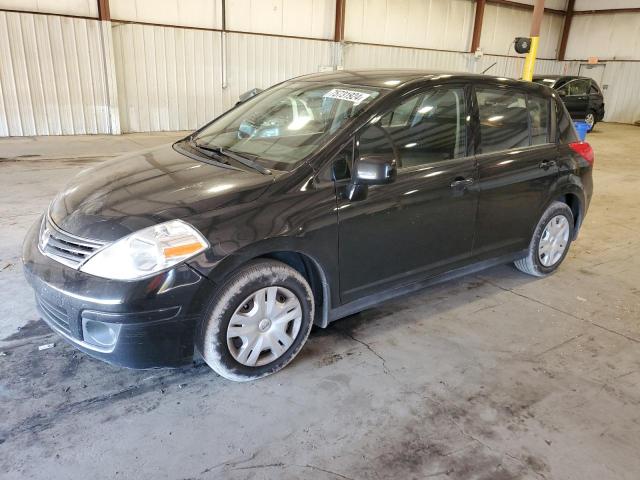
[257, 322]
[550, 243]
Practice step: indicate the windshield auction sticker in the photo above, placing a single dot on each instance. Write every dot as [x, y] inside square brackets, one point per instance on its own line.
[348, 95]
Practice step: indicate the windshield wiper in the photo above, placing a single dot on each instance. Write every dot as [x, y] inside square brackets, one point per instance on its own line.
[235, 156]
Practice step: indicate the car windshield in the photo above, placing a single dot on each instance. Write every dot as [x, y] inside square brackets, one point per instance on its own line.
[283, 125]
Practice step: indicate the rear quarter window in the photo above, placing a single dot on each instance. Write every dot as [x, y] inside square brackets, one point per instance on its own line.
[539, 119]
[566, 130]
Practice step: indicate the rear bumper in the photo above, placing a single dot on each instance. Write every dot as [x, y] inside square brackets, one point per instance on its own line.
[152, 320]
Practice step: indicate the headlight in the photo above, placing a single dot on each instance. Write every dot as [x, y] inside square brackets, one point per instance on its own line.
[147, 251]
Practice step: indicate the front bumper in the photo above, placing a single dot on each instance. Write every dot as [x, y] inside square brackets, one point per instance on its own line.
[154, 319]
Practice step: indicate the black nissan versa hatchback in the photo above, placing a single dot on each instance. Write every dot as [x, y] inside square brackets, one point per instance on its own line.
[313, 200]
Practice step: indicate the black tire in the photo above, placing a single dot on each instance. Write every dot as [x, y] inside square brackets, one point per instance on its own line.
[531, 263]
[211, 338]
[595, 119]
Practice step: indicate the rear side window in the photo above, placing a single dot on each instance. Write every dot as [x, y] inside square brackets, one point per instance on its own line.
[539, 119]
[504, 122]
[594, 89]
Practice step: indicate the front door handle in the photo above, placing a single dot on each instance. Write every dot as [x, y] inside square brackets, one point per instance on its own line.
[547, 164]
[461, 182]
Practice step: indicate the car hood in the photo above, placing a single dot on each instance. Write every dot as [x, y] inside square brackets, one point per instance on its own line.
[120, 196]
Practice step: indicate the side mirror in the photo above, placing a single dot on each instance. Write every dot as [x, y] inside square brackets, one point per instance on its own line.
[375, 169]
[370, 170]
[247, 95]
[562, 93]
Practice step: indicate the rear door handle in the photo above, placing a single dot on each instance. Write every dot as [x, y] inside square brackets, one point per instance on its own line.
[547, 164]
[461, 182]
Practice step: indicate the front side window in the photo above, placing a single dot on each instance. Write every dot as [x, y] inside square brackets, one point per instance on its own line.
[504, 122]
[578, 87]
[539, 119]
[282, 126]
[427, 127]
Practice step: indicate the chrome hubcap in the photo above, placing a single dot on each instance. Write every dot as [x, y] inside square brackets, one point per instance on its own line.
[554, 240]
[590, 120]
[264, 326]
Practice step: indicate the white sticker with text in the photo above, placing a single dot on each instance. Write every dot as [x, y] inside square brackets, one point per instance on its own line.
[348, 95]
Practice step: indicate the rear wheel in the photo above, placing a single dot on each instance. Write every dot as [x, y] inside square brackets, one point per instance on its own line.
[590, 119]
[550, 243]
[257, 322]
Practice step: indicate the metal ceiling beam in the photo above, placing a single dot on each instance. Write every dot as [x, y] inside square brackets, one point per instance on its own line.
[565, 30]
[103, 10]
[607, 11]
[477, 25]
[339, 26]
[523, 6]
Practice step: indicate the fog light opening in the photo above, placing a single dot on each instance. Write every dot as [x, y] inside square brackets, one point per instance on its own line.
[100, 333]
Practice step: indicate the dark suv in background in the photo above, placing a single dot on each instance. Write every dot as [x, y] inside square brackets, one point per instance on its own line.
[581, 95]
[315, 199]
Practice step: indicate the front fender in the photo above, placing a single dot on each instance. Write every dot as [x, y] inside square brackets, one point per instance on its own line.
[326, 268]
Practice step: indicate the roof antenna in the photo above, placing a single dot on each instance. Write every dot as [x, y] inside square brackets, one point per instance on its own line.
[489, 67]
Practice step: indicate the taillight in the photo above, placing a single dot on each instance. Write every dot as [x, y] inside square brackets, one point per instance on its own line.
[584, 150]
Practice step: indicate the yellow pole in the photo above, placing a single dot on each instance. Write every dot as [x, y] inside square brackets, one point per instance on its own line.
[530, 60]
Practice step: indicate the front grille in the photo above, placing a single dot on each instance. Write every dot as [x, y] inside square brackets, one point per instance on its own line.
[64, 247]
[54, 314]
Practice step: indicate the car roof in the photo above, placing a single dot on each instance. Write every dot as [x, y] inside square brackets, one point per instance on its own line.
[396, 78]
[558, 77]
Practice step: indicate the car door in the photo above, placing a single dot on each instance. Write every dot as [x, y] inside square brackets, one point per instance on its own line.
[517, 164]
[575, 96]
[423, 222]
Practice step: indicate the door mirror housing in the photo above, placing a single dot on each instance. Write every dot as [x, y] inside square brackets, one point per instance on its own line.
[375, 169]
[247, 95]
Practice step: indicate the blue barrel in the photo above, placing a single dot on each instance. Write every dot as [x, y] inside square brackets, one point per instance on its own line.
[582, 128]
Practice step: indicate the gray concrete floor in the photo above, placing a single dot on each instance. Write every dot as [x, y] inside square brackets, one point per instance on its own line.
[494, 376]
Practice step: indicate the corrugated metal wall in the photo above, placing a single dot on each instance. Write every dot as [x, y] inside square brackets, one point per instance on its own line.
[83, 8]
[171, 78]
[438, 24]
[303, 18]
[502, 24]
[192, 13]
[168, 78]
[622, 97]
[607, 36]
[261, 61]
[602, 4]
[52, 76]
[61, 75]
